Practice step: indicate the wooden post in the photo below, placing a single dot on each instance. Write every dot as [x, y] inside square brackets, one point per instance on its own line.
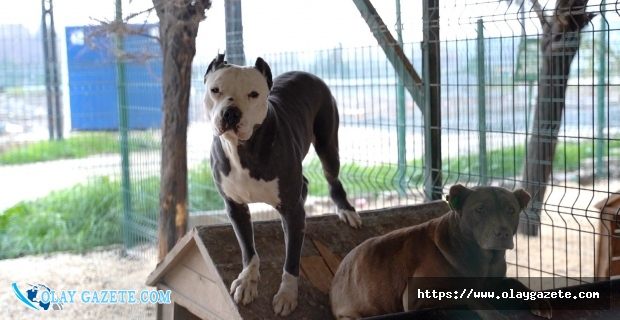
[393, 51]
[431, 68]
[178, 27]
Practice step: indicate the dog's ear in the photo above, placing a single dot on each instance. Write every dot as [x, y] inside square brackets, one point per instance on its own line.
[263, 68]
[523, 197]
[215, 64]
[457, 196]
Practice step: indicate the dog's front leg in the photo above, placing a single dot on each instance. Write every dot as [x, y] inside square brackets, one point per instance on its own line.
[293, 223]
[245, 288]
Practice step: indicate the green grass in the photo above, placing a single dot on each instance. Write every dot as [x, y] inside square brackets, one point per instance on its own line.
[76, 146]
[77, 218]
[508, 162]
[502, 163]
[362, 179]
[90, 215]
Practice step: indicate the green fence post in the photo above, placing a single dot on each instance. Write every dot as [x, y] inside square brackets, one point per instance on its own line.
[123, 128]
[600, 96]
[400, 117]
[482, 112]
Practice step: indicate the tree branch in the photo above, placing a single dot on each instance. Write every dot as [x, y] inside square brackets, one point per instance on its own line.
[540, 13]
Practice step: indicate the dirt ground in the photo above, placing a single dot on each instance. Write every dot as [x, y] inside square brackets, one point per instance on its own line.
[105, 268]
[567, 245]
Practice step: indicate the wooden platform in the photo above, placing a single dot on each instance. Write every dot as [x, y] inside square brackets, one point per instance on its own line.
[327, 241]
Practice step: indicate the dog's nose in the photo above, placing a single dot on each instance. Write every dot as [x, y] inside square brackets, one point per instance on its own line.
[502, 233]
[231, 116]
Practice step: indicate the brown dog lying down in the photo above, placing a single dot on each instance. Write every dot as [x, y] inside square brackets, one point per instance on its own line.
[469, 241]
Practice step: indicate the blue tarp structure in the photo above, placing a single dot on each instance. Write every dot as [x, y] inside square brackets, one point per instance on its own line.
[93, 86]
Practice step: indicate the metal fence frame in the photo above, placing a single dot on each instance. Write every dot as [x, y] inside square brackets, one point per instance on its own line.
[397, 149]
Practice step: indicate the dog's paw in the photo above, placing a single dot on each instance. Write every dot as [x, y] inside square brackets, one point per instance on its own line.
[542, 309]
[350, 217]
[245, 288]
[285, 301]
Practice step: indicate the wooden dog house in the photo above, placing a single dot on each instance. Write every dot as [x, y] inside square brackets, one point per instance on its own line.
[609, 239]
[202, 265]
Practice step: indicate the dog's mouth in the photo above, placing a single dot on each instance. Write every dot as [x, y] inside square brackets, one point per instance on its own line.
[496, 244]
[233, 133]
[222, 130]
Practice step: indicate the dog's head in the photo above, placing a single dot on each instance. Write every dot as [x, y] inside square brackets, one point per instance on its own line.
[236, 97]
[489, 214]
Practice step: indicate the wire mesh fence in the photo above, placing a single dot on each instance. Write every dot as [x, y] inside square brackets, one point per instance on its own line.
[492, 72]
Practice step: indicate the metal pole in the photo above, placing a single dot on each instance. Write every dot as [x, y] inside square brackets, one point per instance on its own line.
[482, 112]
[52, 82]
[46, 55]
[400, 116]
[123, 130]
[54, 76]
[432, 98]
[234, 32]
[600, 95]
[522, 15]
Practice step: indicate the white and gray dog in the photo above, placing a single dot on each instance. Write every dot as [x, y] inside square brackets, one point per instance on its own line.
[263, 129]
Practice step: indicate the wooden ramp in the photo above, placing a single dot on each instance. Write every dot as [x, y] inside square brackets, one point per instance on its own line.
[327, 241]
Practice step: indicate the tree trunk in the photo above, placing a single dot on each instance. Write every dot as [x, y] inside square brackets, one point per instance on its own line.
[559, 45]
[178, 27]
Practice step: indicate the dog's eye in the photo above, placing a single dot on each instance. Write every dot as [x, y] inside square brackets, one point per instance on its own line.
[215, 90]
[253, 94]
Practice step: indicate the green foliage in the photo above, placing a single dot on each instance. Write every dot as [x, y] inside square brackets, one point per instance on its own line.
[508, 162]
[203, 195]
[363, 179]
[89, 215]
[77, 146]
[77, 218]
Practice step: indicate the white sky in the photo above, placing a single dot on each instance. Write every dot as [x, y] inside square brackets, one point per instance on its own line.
[284, 25]
[269, 25]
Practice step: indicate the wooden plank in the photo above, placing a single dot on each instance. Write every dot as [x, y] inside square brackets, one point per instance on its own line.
[615, 246]
[331, 259]
[181, 313]
[165, 311]
[207, 218]
[393, 51]
[197, 263]
[221, 245]
[171, 259]
[317, 272]
[614, 268]
[196, 293]
[223, 290]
